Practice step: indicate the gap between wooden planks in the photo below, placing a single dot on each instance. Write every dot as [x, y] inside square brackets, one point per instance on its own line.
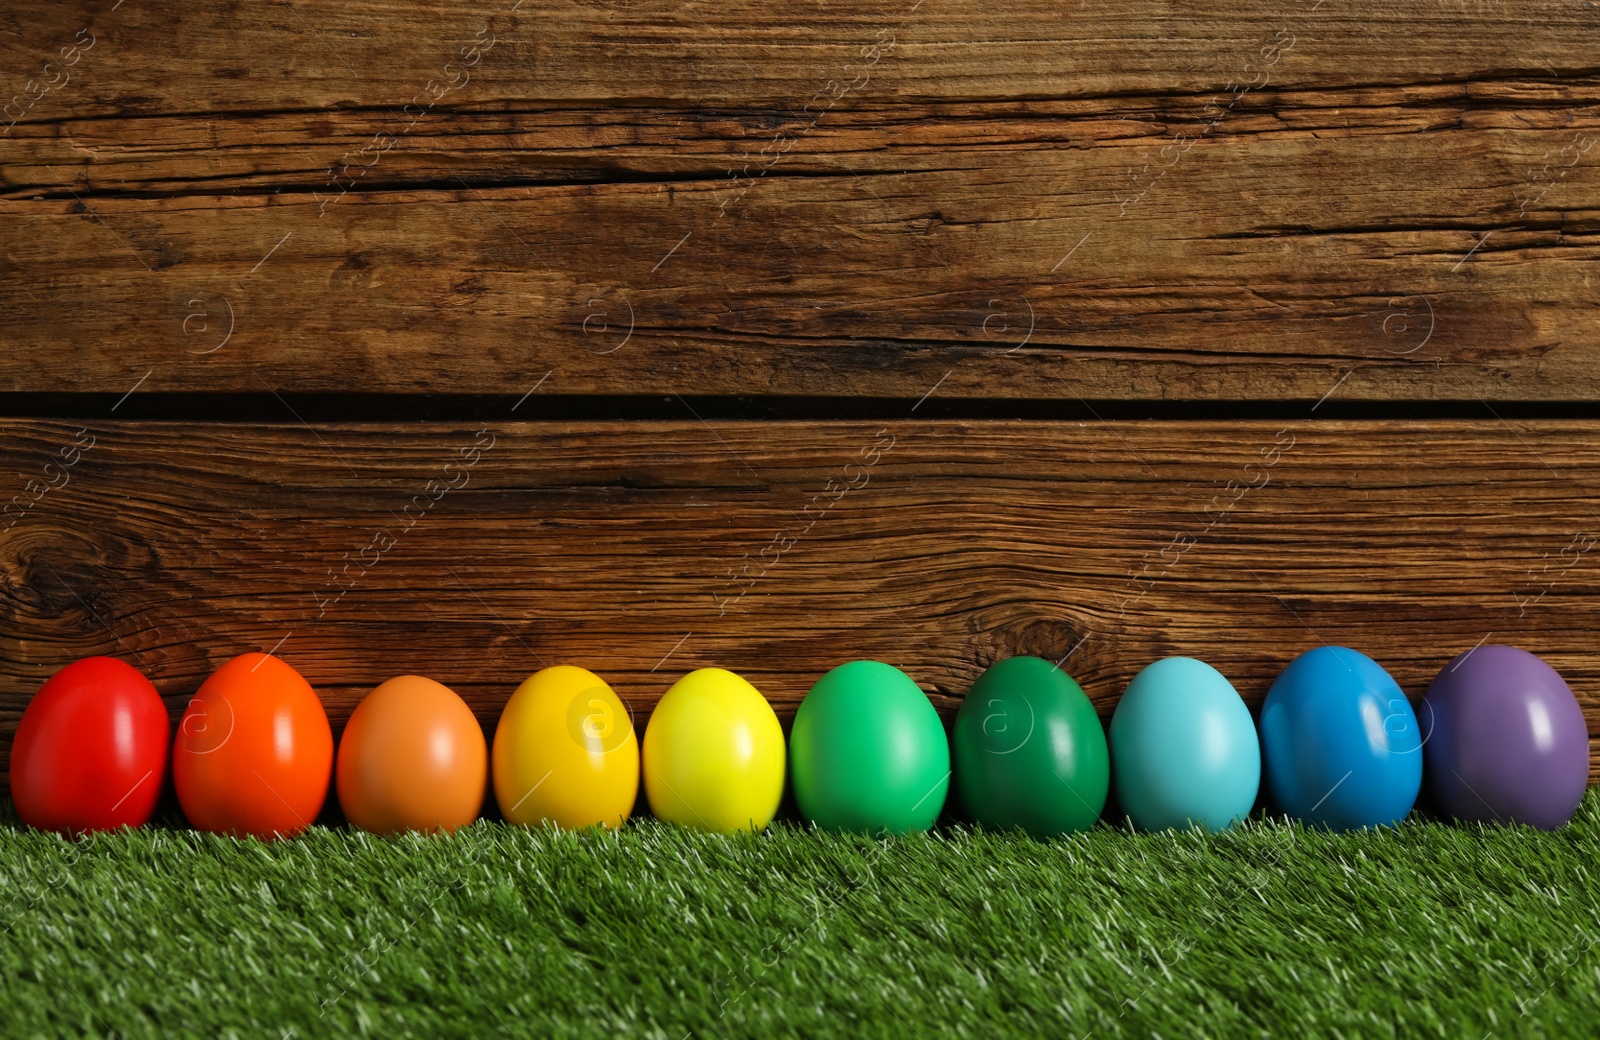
[476, 554]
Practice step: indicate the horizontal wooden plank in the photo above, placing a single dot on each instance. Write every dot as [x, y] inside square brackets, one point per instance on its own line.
[1133, 202]
[525, 143]
[1259, 266]
[133, 57]
[642, 550]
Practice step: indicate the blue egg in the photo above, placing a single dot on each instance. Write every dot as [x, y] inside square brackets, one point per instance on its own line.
[1342, 744]
[1183, 748]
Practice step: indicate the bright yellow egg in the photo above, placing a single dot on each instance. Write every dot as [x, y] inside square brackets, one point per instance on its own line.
[714, 754]
[565, 752]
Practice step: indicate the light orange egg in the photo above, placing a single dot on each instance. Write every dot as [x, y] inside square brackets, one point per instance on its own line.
[412, 758]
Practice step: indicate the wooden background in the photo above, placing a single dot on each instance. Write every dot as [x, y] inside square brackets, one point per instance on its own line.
[462, 339]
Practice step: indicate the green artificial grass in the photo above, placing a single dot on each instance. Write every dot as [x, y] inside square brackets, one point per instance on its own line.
[1431, 930]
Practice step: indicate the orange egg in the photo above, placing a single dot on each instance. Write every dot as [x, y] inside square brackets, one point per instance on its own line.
[254, 751]
[412, 758]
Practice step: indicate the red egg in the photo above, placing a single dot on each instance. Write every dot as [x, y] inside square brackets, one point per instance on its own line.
[90, 753]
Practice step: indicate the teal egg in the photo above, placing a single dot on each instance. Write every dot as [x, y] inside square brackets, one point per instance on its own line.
[1184, 749]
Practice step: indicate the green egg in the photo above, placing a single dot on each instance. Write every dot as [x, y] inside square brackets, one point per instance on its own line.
[868, 752]
[1030, 751]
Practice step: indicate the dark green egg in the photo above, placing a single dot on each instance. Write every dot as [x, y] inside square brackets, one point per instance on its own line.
[1029, 750]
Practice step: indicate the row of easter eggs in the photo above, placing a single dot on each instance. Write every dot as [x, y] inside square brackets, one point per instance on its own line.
[1500, 737]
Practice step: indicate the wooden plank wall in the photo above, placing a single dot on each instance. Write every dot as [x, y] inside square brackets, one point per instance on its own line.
[1300, 299]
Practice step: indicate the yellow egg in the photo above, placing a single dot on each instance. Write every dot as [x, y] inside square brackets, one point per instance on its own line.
[714, 754]
[565, 752]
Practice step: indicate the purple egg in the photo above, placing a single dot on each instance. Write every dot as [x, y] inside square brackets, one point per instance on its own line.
[1504, 740]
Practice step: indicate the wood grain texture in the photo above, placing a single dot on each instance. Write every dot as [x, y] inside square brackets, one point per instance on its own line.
[644, 198]
[241, 57]
[475, 555]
